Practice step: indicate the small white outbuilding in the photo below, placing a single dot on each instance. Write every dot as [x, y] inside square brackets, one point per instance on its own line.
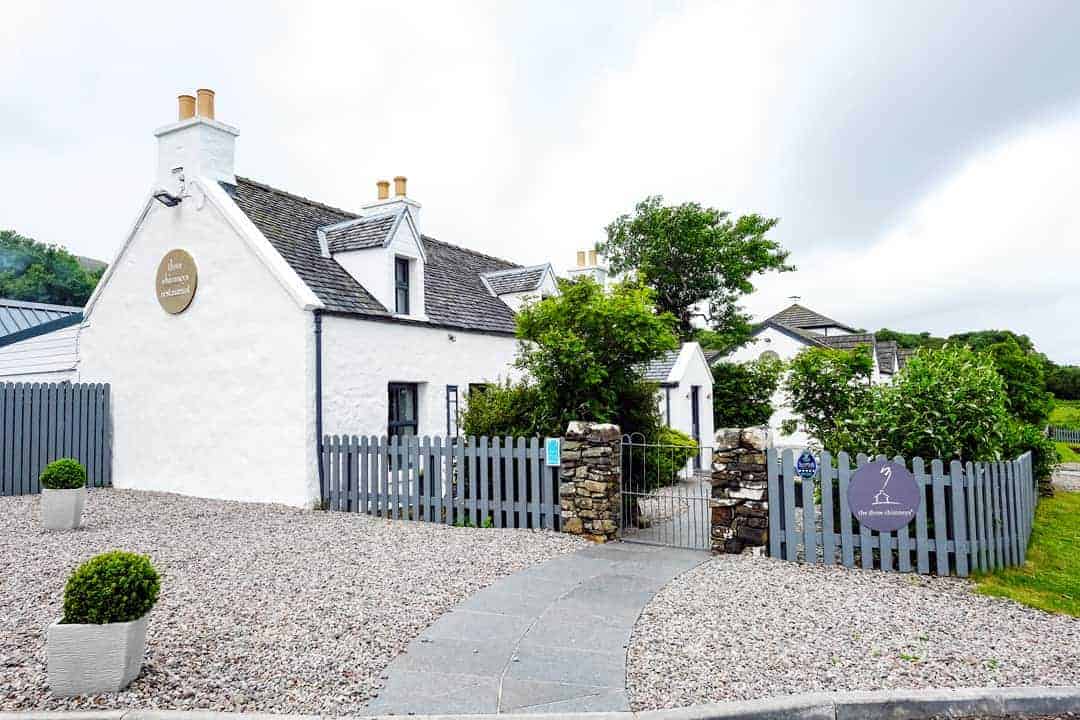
[685, 398]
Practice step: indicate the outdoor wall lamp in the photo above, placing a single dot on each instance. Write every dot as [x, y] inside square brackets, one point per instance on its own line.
[166, 198]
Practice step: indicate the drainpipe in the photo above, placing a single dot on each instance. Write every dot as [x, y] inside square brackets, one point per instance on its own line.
[318, 402]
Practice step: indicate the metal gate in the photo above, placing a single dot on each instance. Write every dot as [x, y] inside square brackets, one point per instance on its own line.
[665, 500]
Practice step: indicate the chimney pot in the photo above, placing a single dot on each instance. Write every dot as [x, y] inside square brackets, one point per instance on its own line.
[399, 186]
[592, 258]
[384, 189]
[205, 103]
[187, 106]
[581, 258]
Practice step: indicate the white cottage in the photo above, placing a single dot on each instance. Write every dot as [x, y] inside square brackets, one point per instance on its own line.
[795, 328]
[238, 322]
[685, 396]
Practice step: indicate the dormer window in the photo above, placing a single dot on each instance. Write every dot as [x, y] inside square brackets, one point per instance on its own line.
[401, 286]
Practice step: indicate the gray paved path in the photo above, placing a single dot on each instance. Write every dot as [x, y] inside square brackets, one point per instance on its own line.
[548, 639]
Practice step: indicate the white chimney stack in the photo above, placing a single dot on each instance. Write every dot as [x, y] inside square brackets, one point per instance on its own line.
[385, 204]
[590, 263]
[195, 145]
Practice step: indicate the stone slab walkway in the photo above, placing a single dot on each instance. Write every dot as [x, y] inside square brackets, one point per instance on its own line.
[549, 639]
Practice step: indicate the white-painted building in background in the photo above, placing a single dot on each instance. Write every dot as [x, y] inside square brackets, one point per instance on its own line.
[795, 328]
[298, 308]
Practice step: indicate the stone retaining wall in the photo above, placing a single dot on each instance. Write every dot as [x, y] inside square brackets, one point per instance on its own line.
[740, 495]
[589, 480]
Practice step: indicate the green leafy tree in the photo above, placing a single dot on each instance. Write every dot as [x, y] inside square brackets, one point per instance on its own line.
[585, 349]
[1025, 386]
[36, 272]
[828, 390]
[1063, 381]
[583, 352]
[743, 392]
[691, 254]
[910, 341]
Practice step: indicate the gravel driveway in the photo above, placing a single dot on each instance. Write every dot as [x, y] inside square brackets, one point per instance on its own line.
[263, 608]
[741, 627]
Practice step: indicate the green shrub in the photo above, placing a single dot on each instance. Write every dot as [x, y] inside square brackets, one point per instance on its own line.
[499, 410]
[116, 586]
[63, 474]
[657, 467]
[1021, 437]
[743, 392]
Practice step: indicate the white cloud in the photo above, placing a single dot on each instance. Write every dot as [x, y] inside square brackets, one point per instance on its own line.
[995, 245]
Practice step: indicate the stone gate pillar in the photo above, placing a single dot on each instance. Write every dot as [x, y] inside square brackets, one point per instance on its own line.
[740, 490]
[589, 480]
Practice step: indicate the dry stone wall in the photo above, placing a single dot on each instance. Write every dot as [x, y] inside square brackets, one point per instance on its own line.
[740, 494]
[589, 480]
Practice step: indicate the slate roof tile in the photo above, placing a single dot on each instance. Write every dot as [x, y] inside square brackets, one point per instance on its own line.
[797, 316]
[455, 296]
[659, 369]
[516, 280]
[363, 234]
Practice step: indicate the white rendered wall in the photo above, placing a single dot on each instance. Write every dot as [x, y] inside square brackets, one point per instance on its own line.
[216, 401]
[692, 369]
[51, 357]
[360, 357]
[787, 348]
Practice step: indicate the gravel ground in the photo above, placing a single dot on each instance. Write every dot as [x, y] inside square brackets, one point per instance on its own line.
[742, 627]
[263, 608]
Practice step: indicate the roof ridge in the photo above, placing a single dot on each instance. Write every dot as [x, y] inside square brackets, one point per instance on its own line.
[294, 196]
[519, 268]
[514, 265]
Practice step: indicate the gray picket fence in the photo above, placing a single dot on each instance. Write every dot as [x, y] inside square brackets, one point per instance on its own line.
[974, 517]
[1067, 435]
[41, 422]
[501, 482]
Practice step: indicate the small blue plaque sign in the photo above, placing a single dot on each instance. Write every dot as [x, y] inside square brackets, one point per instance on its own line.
[806, 465]
[553, 452]
[883, 496]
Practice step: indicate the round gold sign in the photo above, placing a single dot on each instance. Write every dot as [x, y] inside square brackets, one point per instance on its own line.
[177, 279]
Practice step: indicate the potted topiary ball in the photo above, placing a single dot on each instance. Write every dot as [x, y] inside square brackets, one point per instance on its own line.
[99, 643]
[63, 494]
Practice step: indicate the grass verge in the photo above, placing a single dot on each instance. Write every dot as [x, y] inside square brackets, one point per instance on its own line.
[1050, 579]
[1067, 453]
[1066, 414]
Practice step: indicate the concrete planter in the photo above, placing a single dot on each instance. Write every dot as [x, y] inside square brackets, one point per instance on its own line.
[62, 509]
[91, 659]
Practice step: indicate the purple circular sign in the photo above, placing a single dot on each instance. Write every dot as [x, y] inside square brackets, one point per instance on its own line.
[883, 496]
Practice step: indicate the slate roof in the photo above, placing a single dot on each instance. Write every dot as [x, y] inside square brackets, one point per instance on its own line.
[847, 342]
[659, 369]
[797, 316]
[455, 296]
[18, 315]
[516, 280]
[364, 233]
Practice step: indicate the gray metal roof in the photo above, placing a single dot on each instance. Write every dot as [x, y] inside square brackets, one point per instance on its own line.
[18, 315]
[516, 279]
[454, 293]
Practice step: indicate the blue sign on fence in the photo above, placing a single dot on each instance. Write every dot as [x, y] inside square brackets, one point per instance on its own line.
[553, 452]
[883, 496]
[806, 465]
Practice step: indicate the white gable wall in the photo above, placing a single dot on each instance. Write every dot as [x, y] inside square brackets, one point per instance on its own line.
[361, 357]
[51, 357]
[691, 369]
[216, 401]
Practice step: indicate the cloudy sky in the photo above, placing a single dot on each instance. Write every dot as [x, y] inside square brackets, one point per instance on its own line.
[924, 157]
